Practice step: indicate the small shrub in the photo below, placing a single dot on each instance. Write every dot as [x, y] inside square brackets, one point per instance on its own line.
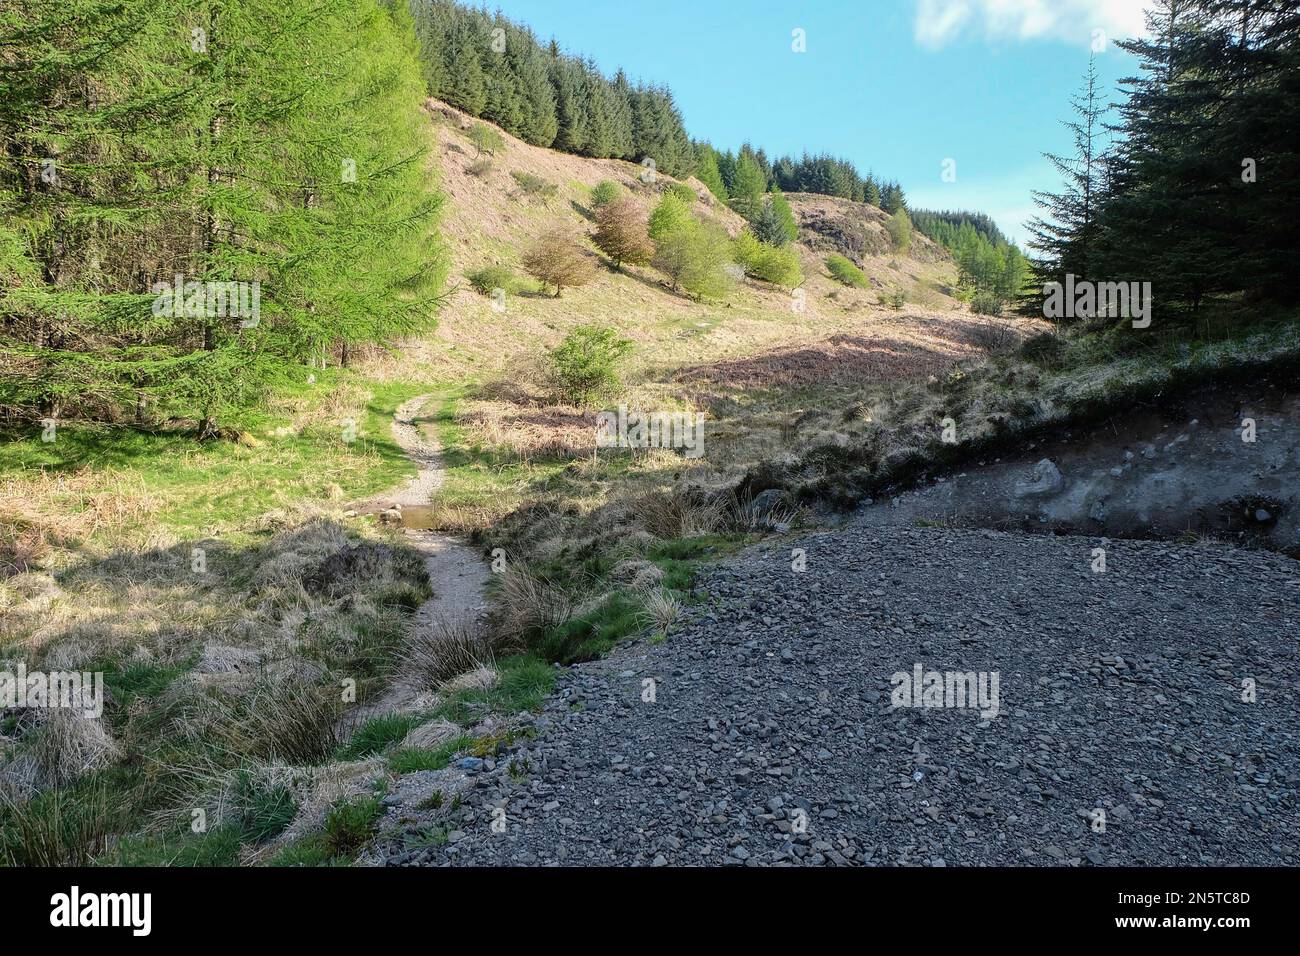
[479, 168]
[843, 270]
[532, 185]
[490, 278]
[350, 823]
[486, 139]
[670, 215]
[897, 299]
[585, 364]
[1046, 349]
[778, 265]
[900, 230]
[603, 192]
[986, 303]
[995, 338]
[557, 260]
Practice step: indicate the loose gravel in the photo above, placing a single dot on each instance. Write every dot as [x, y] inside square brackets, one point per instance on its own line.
[1122, 736]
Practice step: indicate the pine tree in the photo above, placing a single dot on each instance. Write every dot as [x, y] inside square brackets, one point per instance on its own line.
[748, 186]
[1067, 236]
[707, 172]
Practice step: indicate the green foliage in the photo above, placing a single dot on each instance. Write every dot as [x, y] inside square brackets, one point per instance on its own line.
[605, 191]
[707, 172]
[543, 96]
[523, 683]
[595, 633]
[669, 215]
[843, 270]
[350, 823]
[776, 264]
[486, 139]
[289, 153]
[585, 365]
[897, 299]
[900, 231]
[774, 222]
[378, 734]
[532, 185]
[490, 278]
[748, 185]
[1197, 195]
[683, 192]
[411, 759]
[694, 255]
[986, 303]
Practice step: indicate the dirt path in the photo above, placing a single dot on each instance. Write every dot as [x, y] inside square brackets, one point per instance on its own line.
[456, 574]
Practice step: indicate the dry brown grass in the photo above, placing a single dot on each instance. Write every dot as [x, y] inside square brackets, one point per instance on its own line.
[528, 604]
[444, 650]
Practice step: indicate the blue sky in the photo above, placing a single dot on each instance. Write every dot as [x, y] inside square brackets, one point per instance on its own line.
[897, 86]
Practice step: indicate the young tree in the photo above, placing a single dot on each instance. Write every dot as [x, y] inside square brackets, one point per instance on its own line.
[775, 223]
[669, 215]
[706, 170]
[557, 260]
[694, 255]
[622, 234]
[748, 186]
[1066, 234]
[900, 231]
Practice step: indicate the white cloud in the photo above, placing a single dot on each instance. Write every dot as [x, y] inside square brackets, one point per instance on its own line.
[939, 22]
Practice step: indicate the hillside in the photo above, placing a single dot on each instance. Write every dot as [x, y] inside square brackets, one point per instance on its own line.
[755, 362]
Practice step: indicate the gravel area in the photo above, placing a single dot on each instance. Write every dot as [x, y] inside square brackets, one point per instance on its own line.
[1121, 737]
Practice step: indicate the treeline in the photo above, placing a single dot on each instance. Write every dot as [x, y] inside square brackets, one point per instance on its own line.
[498, 70]
[990, 268]
[493, 68]
[1198, 195]
[198, 199]
[944, 226]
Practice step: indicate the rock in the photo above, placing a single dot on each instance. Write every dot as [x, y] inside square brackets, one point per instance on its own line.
[1046, 480]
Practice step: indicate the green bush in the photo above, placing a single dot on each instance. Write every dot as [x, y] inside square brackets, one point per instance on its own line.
[490, 278]
[535, 185]
[900, 230]
[585, 364]
[670, 215]
[683, 192]
[479, 168]
[778, 265]
[486, 139]
[897, 299]
[605, 191]
[986, 303]
[843, 270]
[694, 255]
